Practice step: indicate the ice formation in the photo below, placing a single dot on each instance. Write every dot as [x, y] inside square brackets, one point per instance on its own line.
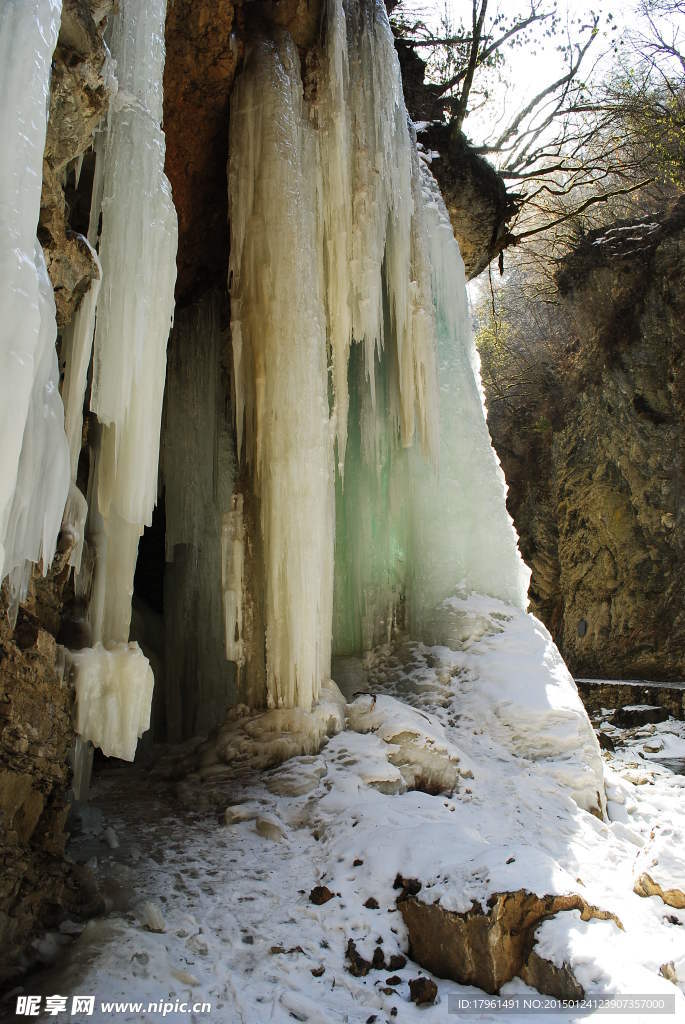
[34, 462]
[197, 473]
[137, 247]
[124, 320]
[280, 369]
[113, 697]
[77, 348]
[341, 252]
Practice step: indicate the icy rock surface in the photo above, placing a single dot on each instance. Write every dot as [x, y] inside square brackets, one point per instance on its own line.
[340, 243]
[34, 474]
[113, 697]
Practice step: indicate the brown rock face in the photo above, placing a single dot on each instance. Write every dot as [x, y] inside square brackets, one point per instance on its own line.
[202, 52]
[596, 491]
[35, 737]
[475, 195]
[485, 949]
[78, 100]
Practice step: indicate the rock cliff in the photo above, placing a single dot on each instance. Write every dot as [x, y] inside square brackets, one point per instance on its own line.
[596, 470]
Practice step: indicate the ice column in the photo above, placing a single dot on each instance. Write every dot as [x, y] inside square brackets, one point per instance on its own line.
[376, 293]
[137, 251]
[198, 471]
[280, 365]
[34, 461]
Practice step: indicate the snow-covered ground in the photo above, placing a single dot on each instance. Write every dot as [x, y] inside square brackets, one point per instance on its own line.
[472, 770]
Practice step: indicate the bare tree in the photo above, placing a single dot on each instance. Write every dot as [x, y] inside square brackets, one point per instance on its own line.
[576, 147]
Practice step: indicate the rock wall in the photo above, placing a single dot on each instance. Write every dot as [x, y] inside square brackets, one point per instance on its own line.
[597, 495]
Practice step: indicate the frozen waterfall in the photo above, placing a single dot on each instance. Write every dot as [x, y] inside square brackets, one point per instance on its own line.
[137, 248]
[358, 406]
[327, 470]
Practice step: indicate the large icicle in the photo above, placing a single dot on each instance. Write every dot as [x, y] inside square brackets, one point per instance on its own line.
[372, 242]
[198, 471]
[34, 466]
[137, 252]
[280, 372]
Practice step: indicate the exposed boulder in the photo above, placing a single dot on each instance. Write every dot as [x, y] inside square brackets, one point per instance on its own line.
[638, 714]
[487, 948]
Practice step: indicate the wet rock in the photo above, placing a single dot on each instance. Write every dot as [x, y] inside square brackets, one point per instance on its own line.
[203, 49]
[78, 101]
[371, 903]
[483, 948]
[422, 991]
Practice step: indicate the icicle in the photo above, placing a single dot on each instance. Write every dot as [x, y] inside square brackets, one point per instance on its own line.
[77, 346]
[113, 697]
[74, 523]
[33, 485]
[370, 178]
[233, 580]
[77, 169]
[42, 481]
[137, 251]
[280, 371]
[340, 244]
